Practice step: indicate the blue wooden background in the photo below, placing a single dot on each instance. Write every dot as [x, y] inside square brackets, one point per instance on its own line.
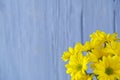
[35, 33]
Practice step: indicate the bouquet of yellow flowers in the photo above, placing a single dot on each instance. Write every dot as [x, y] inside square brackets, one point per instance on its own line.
[101, 54]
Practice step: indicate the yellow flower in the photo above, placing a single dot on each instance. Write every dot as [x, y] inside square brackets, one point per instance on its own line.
[78, 47]
[86, 77]
[66, 55]
[103, 56]
[77, 65]
[89, 46]
[108, 68]
[97, 54]
[82, 77]
[113, 48]
[71, 51]
[102, 37]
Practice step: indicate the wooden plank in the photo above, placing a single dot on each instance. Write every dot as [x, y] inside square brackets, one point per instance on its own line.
[98, 14]
[23, 54]
[35, 62]
[8, 45]
[117, 16]
[66, 32]
[51, 13]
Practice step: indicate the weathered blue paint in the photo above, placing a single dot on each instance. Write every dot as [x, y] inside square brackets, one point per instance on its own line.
[35, 33]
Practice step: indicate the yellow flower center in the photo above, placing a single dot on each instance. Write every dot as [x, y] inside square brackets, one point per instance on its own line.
[79, 67]
[109, 71]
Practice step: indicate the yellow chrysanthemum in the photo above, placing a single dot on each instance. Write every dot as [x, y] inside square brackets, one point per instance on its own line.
[71, 51]
[82, 77]
[108, 68]
[102, 53]
[90, 46]
[78, 47]
[77, 64]
[97, 54]
[102, 37]
[113, 48]
[66, 55]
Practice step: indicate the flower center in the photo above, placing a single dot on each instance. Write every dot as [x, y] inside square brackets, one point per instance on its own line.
[79, 67]
[109, 71]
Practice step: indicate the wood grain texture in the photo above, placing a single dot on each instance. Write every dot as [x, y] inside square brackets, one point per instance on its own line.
[117, 16]
[98, 14]
[35, 33]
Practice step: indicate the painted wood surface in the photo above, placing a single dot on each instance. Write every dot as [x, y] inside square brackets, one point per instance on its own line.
[35, 33]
